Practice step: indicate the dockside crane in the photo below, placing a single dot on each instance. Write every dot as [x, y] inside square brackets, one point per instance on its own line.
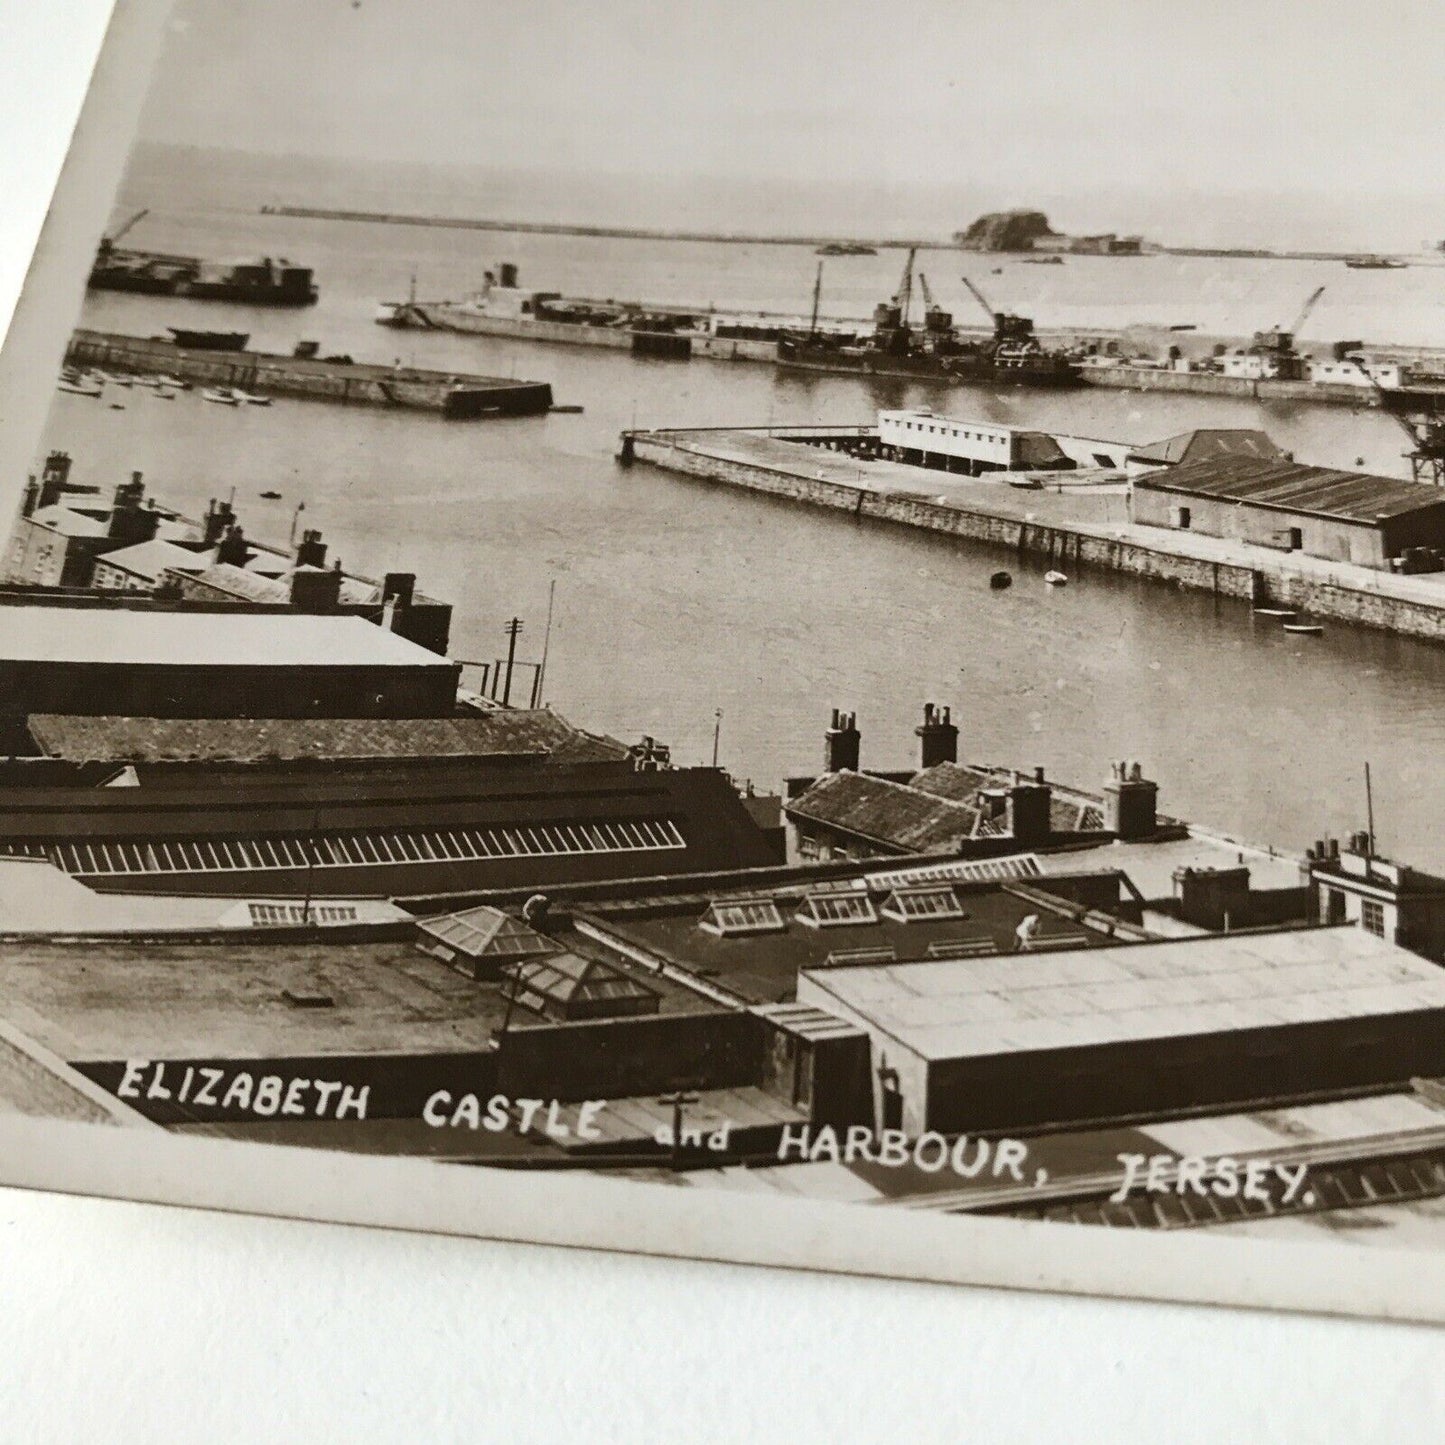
[109, 243]
[903, 297]
[936, 321]
[1015, 330]
[1422, 423]
[1278, 343]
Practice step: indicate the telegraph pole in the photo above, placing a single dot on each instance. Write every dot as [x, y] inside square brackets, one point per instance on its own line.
[677, 1100]
[512, 628]
[716, 734]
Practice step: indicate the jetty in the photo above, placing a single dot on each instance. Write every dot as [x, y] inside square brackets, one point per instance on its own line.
[1062, 522]
[333, 379]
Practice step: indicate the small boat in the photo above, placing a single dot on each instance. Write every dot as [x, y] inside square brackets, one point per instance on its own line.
[221, 395]
[999, 581]
[1043, 260]
[567, 410]
[147, 381]
[1375, 263]
[1304, 629]
[251, 399]
[1056, 579]
[1025, 483]
[1285, 614]
[164, 393]
[174, 382]
[80, 387]
[271, 496]
[117, 406]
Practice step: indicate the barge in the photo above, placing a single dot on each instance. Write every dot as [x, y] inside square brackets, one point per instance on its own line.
[334, 379]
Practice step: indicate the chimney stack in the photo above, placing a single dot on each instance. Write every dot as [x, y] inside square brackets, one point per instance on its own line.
[938, 737]
[1029, 810]
[27, 499]
[233, 547]
[841, 744]
[398, 587]
[311, 550]
[219, 516]
[1131, 803]
[54, 479]
[315, 589]
[129, 522]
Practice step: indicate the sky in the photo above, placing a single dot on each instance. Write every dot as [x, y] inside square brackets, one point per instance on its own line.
[1039, 96]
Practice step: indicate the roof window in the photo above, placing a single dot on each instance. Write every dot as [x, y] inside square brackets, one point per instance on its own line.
[911, 905]
[836, 910]
[739, 917]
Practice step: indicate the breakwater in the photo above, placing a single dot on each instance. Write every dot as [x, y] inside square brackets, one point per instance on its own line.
[462, 397]
[1400, 605]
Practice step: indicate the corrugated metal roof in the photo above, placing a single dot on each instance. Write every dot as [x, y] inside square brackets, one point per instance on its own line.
[1019, 1003]
[1208, 442]
[1287, 486]
[144, 739]
[886, 812]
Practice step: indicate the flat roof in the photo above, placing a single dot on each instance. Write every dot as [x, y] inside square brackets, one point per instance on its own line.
[764, 967]
[1282, 485]
[1021, 1003]
[202, 639]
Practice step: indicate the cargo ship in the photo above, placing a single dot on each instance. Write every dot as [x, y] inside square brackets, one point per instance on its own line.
[502, 307]
[1011, 356]
[267, 281]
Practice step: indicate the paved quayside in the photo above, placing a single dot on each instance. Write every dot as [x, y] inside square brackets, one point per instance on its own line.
[1074, 519]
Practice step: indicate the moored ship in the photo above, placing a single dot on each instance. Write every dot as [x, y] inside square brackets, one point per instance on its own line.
[1012, 356]
[269, 281]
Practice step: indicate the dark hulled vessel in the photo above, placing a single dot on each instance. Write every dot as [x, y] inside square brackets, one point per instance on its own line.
[1012, 356]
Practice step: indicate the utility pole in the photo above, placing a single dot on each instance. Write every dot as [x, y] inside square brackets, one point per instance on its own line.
[716, 734]
[817, 293]
[677, 1100]
[512, 628]
[546, 643]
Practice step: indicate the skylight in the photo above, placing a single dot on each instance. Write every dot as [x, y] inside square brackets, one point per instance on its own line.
[912, 905]
[738, 917]
[836, 910]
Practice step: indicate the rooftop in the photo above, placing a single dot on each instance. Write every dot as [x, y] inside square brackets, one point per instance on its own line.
[212, 639]
[1205, 443]
[138, 739]
[886, 812]
[755, 943]
[150, 559]
[1214, 984]
[1287, 486]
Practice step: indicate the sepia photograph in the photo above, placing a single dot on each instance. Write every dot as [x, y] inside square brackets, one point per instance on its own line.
[789, 619]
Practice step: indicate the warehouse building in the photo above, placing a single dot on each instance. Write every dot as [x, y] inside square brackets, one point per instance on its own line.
[1274, 502]
[1027, 1041]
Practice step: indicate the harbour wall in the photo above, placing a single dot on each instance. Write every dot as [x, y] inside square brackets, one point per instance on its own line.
[1261, 581]
[353, 383]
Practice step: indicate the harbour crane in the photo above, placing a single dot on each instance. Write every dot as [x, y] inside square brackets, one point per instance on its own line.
[1014, 330]
[109, 243]
[1304, 315]
[936, 321]
[1423, 424]
[980, 298]
[903, 297]
[1278, 344]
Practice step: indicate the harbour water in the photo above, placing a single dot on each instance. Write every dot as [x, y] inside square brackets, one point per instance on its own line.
[675, 599]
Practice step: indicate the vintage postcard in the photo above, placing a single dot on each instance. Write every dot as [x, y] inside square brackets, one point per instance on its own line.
[783, 632]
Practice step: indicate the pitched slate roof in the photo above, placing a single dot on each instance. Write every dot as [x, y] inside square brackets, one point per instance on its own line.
[1208, 442]
[140, 739]
[1286, 486]
[885, 812]
[150, 559]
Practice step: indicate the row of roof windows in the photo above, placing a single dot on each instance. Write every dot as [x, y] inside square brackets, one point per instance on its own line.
[739, 917]
[358, 849]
